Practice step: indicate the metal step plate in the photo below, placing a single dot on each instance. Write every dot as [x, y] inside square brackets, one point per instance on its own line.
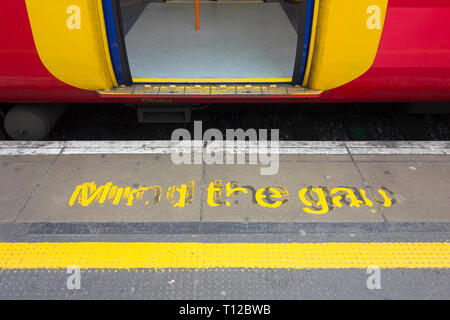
[147, 90]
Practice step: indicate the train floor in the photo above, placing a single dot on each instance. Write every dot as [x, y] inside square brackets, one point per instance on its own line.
[236, 40]
[140, 225]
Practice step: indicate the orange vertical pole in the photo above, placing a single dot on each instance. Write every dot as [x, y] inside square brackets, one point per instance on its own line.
[197, 15]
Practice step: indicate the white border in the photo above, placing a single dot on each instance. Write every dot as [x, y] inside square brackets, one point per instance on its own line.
[16, 148]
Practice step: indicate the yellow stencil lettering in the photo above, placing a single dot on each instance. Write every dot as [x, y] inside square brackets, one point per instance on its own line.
[156, 198]
[367, 201]
[88, 193]
[214, 197]
[350, 197]
[105, 193]
[126, 192]
[233, 187]
[139, 192]
[185, 194]
[388, 200]
[118, 196]
[112, 193]
[317, 205]
[265, 196]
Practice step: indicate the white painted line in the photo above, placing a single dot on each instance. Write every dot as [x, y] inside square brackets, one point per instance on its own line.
[28, 151]
[398, 144]
[393, 151]
[32, 144]
[17, 148]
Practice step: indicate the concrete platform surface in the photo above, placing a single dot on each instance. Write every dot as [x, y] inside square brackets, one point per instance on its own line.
[38, 262]
[331, 219]
[138, 182]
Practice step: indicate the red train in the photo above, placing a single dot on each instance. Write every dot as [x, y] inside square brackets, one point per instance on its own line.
[147, 51]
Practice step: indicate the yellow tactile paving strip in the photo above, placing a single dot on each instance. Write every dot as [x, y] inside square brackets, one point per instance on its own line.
[115, 255]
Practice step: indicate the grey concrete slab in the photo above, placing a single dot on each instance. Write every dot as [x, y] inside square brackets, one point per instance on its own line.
[293, 176]
[249, 40]
[225, 284]
[137, 158]
[402, 158]
[421, 189]
[226, 232]
[27, 158]
[223, 232]
[52, 201]
[17, 182]
[315, 158]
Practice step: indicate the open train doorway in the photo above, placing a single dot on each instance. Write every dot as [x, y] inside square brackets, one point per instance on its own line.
[249, 41]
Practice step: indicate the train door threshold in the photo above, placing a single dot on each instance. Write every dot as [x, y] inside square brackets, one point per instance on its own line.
[222, 90]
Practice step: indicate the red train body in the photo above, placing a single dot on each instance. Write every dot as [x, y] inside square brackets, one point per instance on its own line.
[412, 63]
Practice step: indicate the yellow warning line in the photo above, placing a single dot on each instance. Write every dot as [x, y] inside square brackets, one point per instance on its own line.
[210, 80]
[110, 255]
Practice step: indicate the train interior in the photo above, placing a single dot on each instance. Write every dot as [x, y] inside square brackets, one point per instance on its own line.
[238, 40]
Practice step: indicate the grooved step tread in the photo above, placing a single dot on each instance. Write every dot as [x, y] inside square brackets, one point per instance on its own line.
[209, 90]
